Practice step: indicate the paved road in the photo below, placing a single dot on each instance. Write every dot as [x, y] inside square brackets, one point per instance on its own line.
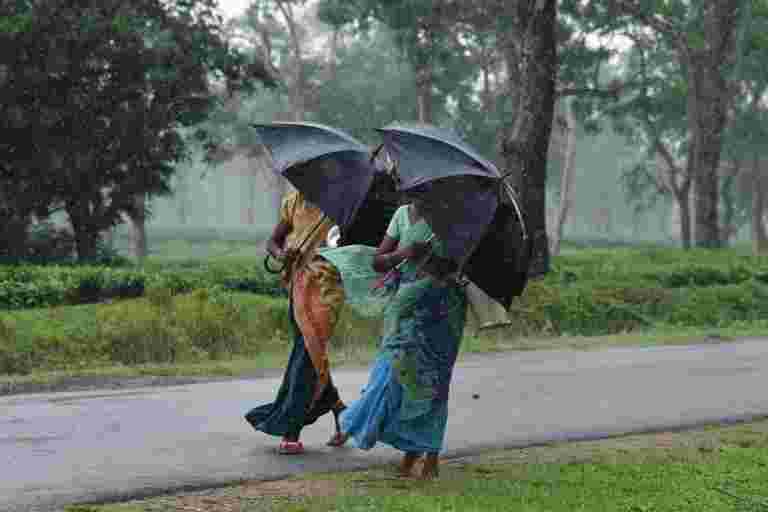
[63, 448]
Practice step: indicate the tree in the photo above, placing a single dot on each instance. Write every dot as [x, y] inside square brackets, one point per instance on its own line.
[425, 33]
[567, 125]
[746, 150]
[372, 87]
[746, 141]
[96, 91]
[702, 37]
[273, 29]
[524, 142]
[651, 114]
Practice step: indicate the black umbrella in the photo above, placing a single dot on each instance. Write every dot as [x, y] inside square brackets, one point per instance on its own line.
[467, 204]
[330, 167]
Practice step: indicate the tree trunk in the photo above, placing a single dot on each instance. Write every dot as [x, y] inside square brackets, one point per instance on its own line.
[665, 219]
[728, 228]
[85, 239]
[333, 66]
[252, 182]
[14, 234]
[683, 199]
[708, 99]
[524, 145]
[424, 94]
[759, 207]
[296, 89]
[137, 227]
[180, 197]
[566, 181]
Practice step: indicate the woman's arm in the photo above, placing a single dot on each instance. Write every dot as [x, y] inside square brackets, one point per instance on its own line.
[276, 243]
[388, 255]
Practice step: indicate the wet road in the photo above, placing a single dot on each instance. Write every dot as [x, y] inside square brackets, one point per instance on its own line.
[63, 448]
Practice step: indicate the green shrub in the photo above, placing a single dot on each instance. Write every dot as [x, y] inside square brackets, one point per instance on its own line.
[699, 276]
[28, 286]
[720, 306]
[141, 332]
[12, 357]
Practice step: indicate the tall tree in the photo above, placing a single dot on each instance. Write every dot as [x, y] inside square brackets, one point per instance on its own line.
[425, 32]
[525, 142]
[567, 125]
[703, 37]
[651, 113]
[95, 94]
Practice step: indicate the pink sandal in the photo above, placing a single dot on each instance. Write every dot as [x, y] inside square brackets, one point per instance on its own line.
[290, 448]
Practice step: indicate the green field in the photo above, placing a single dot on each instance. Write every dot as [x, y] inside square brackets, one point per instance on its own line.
[225, 316]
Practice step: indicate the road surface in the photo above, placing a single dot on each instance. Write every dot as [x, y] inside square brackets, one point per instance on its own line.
[63, 448]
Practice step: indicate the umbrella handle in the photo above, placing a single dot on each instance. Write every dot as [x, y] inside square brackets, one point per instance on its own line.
[376, 152]
[268, 268]
[301, 246]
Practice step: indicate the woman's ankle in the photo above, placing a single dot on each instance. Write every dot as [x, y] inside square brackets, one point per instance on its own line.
[408, 462]
[431, 467]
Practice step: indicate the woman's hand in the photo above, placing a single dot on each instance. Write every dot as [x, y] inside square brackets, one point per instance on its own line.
[388, 255]
[276, 242]
[416, 250]
[290, 254]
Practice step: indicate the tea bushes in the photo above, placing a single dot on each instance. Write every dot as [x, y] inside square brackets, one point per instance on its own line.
[600, 309]
[23, 287]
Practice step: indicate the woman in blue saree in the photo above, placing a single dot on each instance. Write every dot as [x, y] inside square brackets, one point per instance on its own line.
[405, 403]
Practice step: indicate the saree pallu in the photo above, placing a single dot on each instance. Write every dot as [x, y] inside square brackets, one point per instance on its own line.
[307, 391]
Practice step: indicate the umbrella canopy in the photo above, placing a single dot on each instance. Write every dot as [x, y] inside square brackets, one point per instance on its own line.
[466, 203]
[459, 187]
[330, 167]
[499, 264]
[425, 152]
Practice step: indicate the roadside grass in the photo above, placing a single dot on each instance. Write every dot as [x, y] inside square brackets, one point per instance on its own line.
[352, 353]
[592, 299]
[719, 468]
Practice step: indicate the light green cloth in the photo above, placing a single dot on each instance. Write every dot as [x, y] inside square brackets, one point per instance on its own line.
[355, 264]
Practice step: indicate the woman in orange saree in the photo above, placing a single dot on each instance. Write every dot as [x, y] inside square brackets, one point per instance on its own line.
[316, 298]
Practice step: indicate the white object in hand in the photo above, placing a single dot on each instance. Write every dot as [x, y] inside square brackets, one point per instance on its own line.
[334, 235]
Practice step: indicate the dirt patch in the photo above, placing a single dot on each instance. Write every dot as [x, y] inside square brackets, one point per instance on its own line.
[292, 489]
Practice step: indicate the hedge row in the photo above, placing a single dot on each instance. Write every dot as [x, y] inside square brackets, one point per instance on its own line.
[210, 324]
[162, 327]
[23, 287]
[588, 310]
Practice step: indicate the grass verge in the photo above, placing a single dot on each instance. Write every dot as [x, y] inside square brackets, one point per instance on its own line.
[713, 469]
[350, 351]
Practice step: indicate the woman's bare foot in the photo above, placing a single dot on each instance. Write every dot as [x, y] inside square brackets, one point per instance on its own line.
[407, 463]
[431, 468]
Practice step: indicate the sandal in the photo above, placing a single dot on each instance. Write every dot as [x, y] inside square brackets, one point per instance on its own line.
[338, 440]
[290, 448]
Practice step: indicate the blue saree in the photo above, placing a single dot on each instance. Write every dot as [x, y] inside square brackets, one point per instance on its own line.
[405, 403]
